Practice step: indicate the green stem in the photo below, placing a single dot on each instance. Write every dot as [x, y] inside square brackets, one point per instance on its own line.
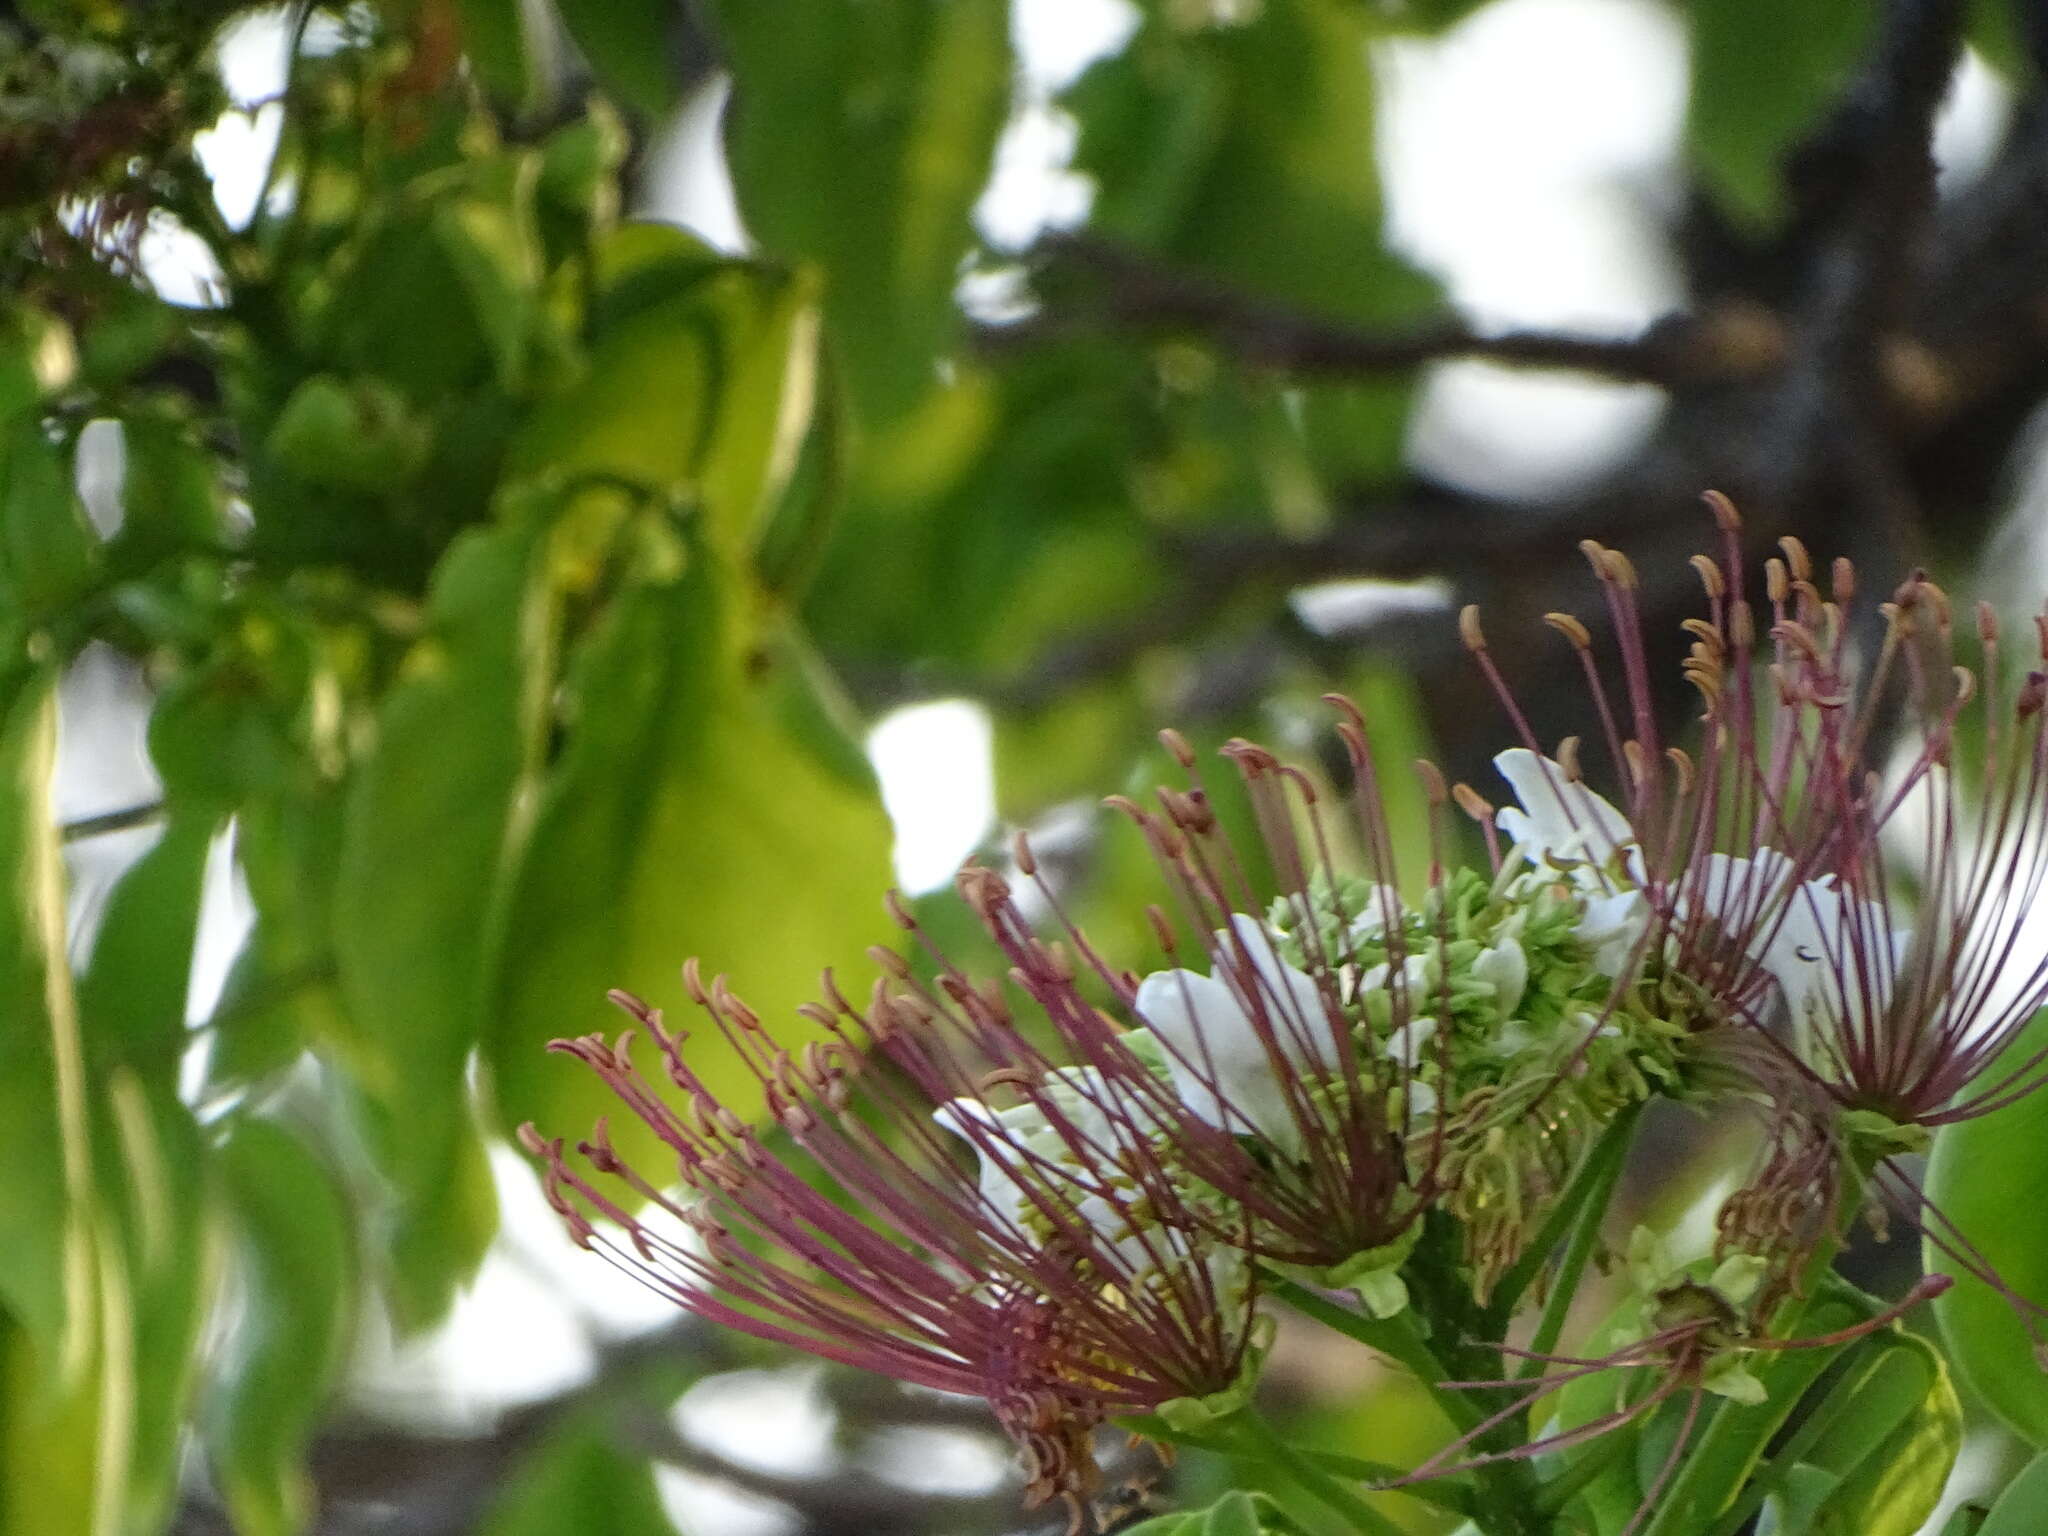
[1597, 1180]
[1563, 1488]
[1397, 1338]
[1312, 1479]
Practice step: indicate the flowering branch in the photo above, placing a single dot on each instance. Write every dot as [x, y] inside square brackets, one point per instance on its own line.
[1397, 1099]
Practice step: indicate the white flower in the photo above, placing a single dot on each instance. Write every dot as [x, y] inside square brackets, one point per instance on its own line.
[1561, 819]
[1834, 957]
[1223, 1070]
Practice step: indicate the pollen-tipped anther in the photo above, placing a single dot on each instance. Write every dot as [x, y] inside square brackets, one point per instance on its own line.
[1177, 745]
[1568, 626]
[1711, 579]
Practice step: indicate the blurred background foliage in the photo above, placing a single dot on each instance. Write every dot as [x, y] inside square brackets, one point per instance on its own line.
[502, 537]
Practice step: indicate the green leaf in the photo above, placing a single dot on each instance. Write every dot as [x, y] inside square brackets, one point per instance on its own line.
[630, 48]
[271, 1009]
[44, 1129]
[171, 498]
[861, 133]
[47, 550]
[1235, 1514]
[580, 1481]
[682, 818]
[1979, 1177]
[36, 356]
[1246, 149]
[1763, 73]
[132, 994]
[700, 384]
[54, 1249]
[295, 1255]
[357, 435]
[1807, 1496]
[104, 1236]
[496, 41]
[459, 737]
[1892, 1450]
[491, 236]
[2022, 1510]
[162, 1202]
[1168, 1525]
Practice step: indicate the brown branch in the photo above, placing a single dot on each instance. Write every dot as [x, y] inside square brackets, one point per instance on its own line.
[1135, 292]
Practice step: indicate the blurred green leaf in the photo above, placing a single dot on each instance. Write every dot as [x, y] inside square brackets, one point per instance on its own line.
[579, 1481]
[1978, 1178]
[268, 1012]
[47, 550]
[682, 818]
[106, 1243]
[628, 45]
[459, 737]
[132, 993]
[700, 381]
[66, 1398]
[1235, 1514]
[36, 355]
[160, 1195]
[358, 435]
[495, 39]
[1245, 149]
[1889, 1455]
[1808, 1493]
[2022, 1509]
[861, 133]
[1762, 73]
[491, 236]
[296, 1272]
[43, 1136]
[171, 500]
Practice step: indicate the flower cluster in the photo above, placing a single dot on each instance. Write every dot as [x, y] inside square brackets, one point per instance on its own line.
[1067, 1191]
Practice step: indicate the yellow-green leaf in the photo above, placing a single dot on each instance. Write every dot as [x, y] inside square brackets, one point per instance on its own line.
[459, 736]
[295, 1270]
[682, 818]
[1982, 1177]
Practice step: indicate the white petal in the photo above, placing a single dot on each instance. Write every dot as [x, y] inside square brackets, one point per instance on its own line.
[1382, 910]
[998, 1187]
[1406, 1044]
[1613, 925]
[1833, 957]
[1220, 1066]
[1290, 999]
[1558, 817]
[1506, 967]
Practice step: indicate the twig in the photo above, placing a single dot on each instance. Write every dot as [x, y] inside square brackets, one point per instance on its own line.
[123, 820]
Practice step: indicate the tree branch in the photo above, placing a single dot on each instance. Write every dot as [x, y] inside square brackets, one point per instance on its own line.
[1134, 292]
